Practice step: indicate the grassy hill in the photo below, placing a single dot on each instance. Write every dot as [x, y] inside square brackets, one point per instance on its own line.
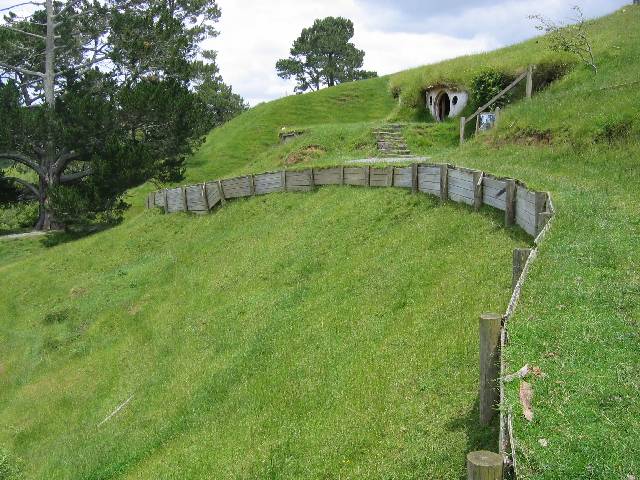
[333, 334]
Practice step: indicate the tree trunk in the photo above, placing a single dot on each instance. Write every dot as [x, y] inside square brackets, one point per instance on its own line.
[46, 218]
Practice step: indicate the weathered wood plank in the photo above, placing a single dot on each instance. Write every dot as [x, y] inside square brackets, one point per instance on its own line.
[195, 199]
[175, 200]
[213, 196]
[355, 176]
[267, 183]
[236, 187]
[402, 177]
[298, 181]
[328, 176]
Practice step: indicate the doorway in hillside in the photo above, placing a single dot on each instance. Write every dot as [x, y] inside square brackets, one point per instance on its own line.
[443, 106]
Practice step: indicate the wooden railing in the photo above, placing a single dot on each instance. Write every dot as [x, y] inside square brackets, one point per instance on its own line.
[528, 74]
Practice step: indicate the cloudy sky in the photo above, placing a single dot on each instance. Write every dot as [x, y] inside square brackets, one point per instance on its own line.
[394, 34]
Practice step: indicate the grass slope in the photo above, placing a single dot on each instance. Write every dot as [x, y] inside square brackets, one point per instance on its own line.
[316, 335]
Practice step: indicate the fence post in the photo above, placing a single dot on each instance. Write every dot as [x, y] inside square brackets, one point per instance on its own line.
[367, 176]
[477, 190]
[221, 193]
[510, 203]
[312, 181]
[185, 201]
[540, 207]
[342, 175]
[484, 465]
[390, 176]
[205, 196]
[520, 256]
[490, 324]
[444, 182]
[414, 178]
[166, 201]
[252, 185]
[529, 81]
[463, 121]
[283, 180]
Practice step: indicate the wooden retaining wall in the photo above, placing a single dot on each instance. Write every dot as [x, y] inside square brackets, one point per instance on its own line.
[475, 188]
[529, 209]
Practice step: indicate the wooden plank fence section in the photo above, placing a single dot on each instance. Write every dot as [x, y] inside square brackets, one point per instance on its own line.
[402, 177]
[460, 186]
[356, 176]
[236, 187]
[494, 192]
[298, 181]
[526, 209]
[268, 183]
[213, 195]
[196, 199]
[328, 176]
[175, 200]
[381, 177]
[429, 179]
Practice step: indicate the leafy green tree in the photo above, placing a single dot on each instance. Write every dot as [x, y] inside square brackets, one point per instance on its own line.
[323, 55]
[103, 95]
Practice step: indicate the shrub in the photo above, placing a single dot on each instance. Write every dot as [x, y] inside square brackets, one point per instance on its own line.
[18, 216]
[9, 466]
[487, 84]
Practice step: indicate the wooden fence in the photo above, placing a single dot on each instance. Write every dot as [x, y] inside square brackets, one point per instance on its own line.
[529, 209]
[522, 206]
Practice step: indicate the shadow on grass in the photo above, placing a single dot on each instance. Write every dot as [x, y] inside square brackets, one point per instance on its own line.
[59, 238]
[478, 437]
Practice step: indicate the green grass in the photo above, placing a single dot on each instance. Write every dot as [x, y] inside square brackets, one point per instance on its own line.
[309, 336]
[339, 341]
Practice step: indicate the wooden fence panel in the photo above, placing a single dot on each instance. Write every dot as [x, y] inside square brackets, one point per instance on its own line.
[381, 177]
[429, 179]
[159, 199]
[356, 176]
[299, 181]
[526, 209]
[461, 188]
[402, 177]
[494, 192]
[213, 194]
[268, 183]
[236, 187]
[195, 198]
[328, 176]
[175, 200]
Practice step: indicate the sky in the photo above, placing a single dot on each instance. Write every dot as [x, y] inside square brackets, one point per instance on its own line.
[395, 35]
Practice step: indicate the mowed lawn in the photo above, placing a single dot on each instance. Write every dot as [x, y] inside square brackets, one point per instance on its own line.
[322, 335]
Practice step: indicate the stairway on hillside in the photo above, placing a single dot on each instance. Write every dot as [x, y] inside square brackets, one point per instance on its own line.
[391, 143]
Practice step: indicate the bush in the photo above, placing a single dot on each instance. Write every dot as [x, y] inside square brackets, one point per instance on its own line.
[18, 216]
[487, 84]
[9, 466]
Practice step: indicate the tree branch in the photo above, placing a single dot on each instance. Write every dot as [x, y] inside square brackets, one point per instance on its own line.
[76, 176]
[21, 70]
[21, 5]
[24, 183]
[23, 159]
[41, 37]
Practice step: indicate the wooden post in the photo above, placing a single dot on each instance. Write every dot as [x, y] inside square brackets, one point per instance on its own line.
[283, 180]
[510, 203]
[341, 175]
[166, 201]
[540, 207]
[463, 122]
[529, 81]
[367, 176]
[477, 190]
[185, 201]
[520, 256]
[477, 123]
[312, 181]
[484, 465]
[221, 193]
[414, 178]
[490, 324]
[497, 114]
[444, 182]
[389, 176]
[205, 196]
[252, 185]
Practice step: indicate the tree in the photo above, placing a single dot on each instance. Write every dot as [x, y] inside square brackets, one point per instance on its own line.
[571, 38]
[100, 96]
[323, 55]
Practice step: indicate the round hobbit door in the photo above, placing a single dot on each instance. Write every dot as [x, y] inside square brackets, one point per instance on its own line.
[443, 106]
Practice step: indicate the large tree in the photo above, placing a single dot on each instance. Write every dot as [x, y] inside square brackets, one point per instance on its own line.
[324, 55]
[101, 95]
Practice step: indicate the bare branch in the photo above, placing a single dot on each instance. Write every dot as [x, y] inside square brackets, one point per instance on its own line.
[76, 176]
[24, 183]
[23, 159]
[21, 70]
[64, 158]
[21, 5]
[41, 37]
